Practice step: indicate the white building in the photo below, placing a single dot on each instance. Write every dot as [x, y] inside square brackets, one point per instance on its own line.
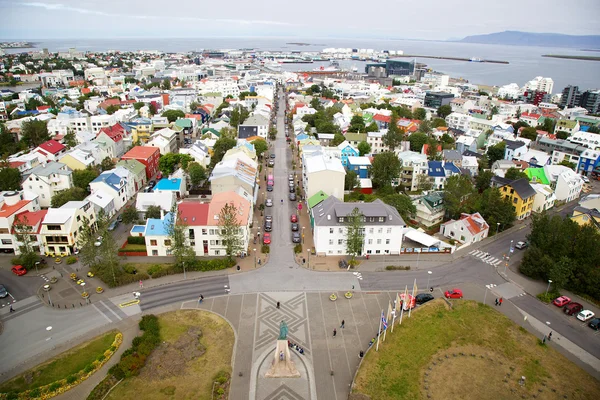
[544, 197]
[382, 227]
[165, 140]
[62, 226]
[511, 91]
[540, 83]
[46, 179]
[322, 172]
[586, 139]
[258, 121]
[413, 165]
[567, 184]
[199, 151]
[24, 208]
[459, 121]
[470, 228]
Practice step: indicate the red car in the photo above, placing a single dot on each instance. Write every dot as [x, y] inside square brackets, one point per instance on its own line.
[573, 308]
[19, 270]
[561, 301]
[454, 294]
[267, 238]
[294, 218]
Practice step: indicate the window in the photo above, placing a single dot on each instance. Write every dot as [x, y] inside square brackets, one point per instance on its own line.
[341, 219]
[377, 251]
[378, 241]
[515, 200]
[212, 231]
[330, 230]
[340, 241]
[369, 252]
[389, 230]
[53, 227]
[341, 230]
[380, 230]
[167, 242]
[387, 241]
[204, 231]
[212, 242]
[370, 241]
[380, 219]
[153, 243]
[192, 243]
[339, 252]
[331, 241]
[6, 241]
[217, 252]
[154, 252]
[371, 230]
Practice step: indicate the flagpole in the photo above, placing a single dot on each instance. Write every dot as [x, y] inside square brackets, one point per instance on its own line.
[402, 306]
[394, 313]
[387, 319]
[413, 296]
[380, 321]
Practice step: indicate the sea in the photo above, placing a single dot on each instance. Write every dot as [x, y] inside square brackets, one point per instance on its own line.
[525, 62]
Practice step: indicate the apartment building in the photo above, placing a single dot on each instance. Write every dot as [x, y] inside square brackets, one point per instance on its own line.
[61, 227]
[46, 179]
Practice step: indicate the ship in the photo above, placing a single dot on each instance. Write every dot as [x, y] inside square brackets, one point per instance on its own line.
[475, 59]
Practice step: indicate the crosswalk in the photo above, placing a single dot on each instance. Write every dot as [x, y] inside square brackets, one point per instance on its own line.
[486, 258]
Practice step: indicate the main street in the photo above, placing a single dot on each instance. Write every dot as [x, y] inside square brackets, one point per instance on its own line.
[239, 296]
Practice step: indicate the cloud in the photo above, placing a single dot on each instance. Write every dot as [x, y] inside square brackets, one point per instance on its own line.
[62, 7]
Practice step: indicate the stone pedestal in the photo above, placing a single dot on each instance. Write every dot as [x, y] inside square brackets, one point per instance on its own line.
[282, 365]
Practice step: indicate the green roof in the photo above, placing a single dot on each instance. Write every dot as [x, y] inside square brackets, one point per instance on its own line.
[356, 137]
[367, 118]
[537, 175]
[184, 123]
[566, 123]
[317, 198]
[134, 166]
[211, 130]
[590, 121]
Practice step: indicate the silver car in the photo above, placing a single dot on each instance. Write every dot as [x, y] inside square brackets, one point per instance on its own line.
[269, 203]
[296, 237]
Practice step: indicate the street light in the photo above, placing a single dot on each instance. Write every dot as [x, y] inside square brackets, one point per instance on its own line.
[428, 276]
[254, 258]
[308, 252]
[490, 286]
[36, 267]
[497, 227]
[184, 276]
[548, 288]
[303, 235]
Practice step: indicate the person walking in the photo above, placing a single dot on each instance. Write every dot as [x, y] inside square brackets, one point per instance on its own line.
[334, 332]
[550, 336]
[500, 301]
[11, 308]
[141, 284]
[278, 305]
[200, 299]
[496, 301]
[343, 323]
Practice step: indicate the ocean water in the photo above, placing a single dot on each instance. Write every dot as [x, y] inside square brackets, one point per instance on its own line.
[525, 62]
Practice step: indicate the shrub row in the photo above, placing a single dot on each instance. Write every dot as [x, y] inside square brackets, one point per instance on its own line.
[136, 240]
[548, 297]
[398, 268]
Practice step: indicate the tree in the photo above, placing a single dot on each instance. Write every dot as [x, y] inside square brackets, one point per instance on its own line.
[138, 105]
[154, 212]
[338, 138]
[243, 95]
[364, 148]
[26, 241]
[529, 133]
[169, 162]
[33, 104]
[394, 135]
[110, 110]
[444, 111]
[152, 109]
[166, 84]
[316, 103]
[568, 164]
[260, 146]
[483, 163]
[483, 180]
[34, 132]
[496, 152]
[179, 246]
[520, 124]
[197, 173]
[64, 196]
[354, 233]
[495, 209]
[83, 177]
[438, 122]
[402, 203]
[272, 133]
[372, 127]
[357, 124]
[432, 150]
[547, 125]
[417, 140]
[238, 116]
[514, 173]
[425, 127]
[229, 230]
[458, 195]
[228, 132]
[8, 146]
[562, 135]
[220, 148]
[424, 183]
[10, 179]
[350, 180]
[386, 167]
[130, 215]
[173, 115]
[420, 114]
[107, 164]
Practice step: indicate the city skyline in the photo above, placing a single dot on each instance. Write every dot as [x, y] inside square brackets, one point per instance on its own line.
[136, 19]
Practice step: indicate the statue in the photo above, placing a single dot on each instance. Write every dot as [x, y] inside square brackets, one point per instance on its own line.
[283, 331]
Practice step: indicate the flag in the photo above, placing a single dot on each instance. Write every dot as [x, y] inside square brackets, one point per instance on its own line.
[413, 296]
[383, 321]
[402, 306]
[389, 315]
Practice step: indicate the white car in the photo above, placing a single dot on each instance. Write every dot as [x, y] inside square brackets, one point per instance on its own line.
[269, 203]
[585, 315]
[585, 179]
[521, 245]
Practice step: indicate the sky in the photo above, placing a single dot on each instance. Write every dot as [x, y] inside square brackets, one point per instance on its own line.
[385, 19]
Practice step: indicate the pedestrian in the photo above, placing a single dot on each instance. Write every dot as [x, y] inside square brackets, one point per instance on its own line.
[496, 301]
[550, 336]
[343, 323]
[11, 308]
[281, 356]
[278, 305]
[141, 284]
[200, 299]
[544, 340]
[334, 332]
[361, 354]
[352, 287]
[500, 301]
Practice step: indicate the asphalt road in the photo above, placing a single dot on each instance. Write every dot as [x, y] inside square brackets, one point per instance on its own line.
[19, 287]
[190, 290]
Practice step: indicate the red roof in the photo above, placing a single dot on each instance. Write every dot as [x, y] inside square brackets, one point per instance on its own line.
[43, 108]
[528, 115]
[52, 146]
[7, 211]
[85, 90]
[193, 214]
[197, 117]
[472, 225]
[15, 164]
[31, 218]
[141, 152]
[382, 118]
[426, 148]
[114, 132]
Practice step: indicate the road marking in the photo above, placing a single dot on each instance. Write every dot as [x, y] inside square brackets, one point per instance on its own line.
[101, 313]
[129, 303]
[327, 343]
[114, 313]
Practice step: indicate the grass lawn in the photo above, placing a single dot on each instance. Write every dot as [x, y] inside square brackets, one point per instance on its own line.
[469, 352]
[60, 367]
[194, 379]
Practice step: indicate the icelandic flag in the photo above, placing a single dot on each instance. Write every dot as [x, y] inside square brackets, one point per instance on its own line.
[383, 321]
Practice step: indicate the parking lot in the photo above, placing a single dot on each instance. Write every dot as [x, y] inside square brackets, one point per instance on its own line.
[18, 287]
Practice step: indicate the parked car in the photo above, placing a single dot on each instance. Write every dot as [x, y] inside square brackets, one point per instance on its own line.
[268, 226]
[271, 163]
[268, 218]
[269, 188]
[294, 227]
[454, 294]
[522, 245]
[269, 203]
[296, 237]
[423, 298]
[294, 218]
[152, 183]
[120, 218]
[595, 323]
[267, 238]
[343, 264]
[292, 189]
[292, 196]
[561, 301]
[19, 270]
[291, 177]
[272, 155]
[113, 225]
[573, 308]
[3, 292]
[585, 179]
[585, 315]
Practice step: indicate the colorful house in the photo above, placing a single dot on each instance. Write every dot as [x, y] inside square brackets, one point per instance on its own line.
[347, 150]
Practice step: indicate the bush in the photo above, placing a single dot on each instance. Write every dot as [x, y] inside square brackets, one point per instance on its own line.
[298, 248]
[130, 269]
[133, 247]
[54, 386]
[136, 240]
[149, 324]
[71, 260]
[548, 297]
[88, 368]
[33, 393]
[116, 371]
[126, 279]
[221, 377]
[154, 269]
[397, 268]
[265, 249]
[71, 379]
[104, 386]
[100, 358]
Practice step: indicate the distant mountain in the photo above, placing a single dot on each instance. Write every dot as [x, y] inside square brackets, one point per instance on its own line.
[516, 38]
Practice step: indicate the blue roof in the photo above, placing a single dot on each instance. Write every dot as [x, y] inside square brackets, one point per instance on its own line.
[168, 184]
[112, 180]
[450, 167]
[248, 145]
[436, 169]
[158, 227]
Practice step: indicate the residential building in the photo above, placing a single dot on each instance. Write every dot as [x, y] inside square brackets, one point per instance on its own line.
[347, 150]
[360, 165]
[322, 172]
[541, 84]
[102, 202]
[531, 119]
[382, 227]
[413, 165]
[146, 155]
[47, 179]
[168, 185]
[165, 200]
[519, 192]
[51, 150]
[570, 97]
[452, 156]
[12, 205]
[567, 125]
[585, 216]
[229, 175]
[78, 159]
[544, 197]
[567, 184]
[589, 163]
[199, 152]
[470, 228]
[62, 226]
[514, 150]
[459, 121]
[375, 140]
[561, 150]
[437, 99]
[430, 209]
[586, 139]
[137, 171]
[257, 121]
[436, 174]
[165, 140]
[115, 186]
[116, 133]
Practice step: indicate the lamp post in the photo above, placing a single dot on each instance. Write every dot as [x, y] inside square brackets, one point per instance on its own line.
[490, 286]
[254, 258]
[418, 256]
[303, 234]
[428, 276]
[184, 275]
[36, 267]
[308, 252]
[548, 288]
[497, 227]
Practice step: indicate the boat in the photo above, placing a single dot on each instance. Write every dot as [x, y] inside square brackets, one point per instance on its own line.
[273, 66]
[475, 59]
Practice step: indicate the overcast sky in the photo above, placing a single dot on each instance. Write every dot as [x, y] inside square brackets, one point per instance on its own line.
[394, 19]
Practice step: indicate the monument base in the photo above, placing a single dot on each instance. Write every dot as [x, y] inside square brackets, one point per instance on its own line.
[282, 365]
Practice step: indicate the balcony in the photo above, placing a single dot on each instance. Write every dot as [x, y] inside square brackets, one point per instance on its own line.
[57, 240]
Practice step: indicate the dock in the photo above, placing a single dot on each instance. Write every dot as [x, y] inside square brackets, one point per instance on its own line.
[453, 59]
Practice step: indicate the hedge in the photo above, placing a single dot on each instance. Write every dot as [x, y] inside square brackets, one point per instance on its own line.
[136, 240]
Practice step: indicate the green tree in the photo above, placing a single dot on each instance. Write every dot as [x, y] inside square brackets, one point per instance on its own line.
[357, 124]
[420, 114]
[8, 146]
[10, 179]
[130, 215]
[83, 177]
[272, 133]
[110, 110]
[496, 152]
[425, 127]
[173, 115]
[34, 132]
[166, 84]
[364, 148]
[138, 105]
[432, 150]
[483, 180]
[483, 163]
[169, 162]
[372, 127]
[520, 124]
[417, 140]
[394, 135]
[238, 116]
[33, 104]
[568, 164]
[26, 241]
[561, 272]
[197, 173]
[548, 125]
[386, 167]
[64, 196]
[338, 138]
[107, 164]
[495, 209]
[514, 173]
[438, 122]
[424, 183]
[260, 146]
[70, 140]
[529, 133]
[316, 103]
[402, 203]
[243, 95]
[444, 111]
[179, 247]
[229, 230]
[220, 148]
[228, 132]
[562, 135]
[458, 195]
[153, 212]
[350, 180]
[354, 233]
